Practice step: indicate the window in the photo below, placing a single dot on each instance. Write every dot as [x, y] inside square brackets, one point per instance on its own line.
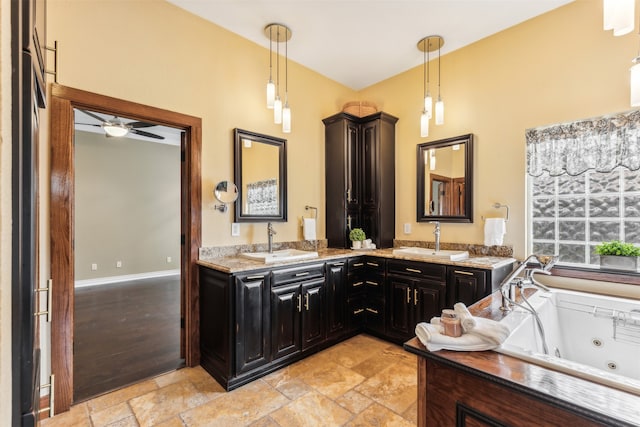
[584, 186]
[570, 215]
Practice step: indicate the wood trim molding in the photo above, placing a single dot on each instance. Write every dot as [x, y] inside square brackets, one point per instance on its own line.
[63, 101]
[603, 276]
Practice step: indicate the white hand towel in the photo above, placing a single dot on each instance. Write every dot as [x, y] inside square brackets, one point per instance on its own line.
[491, 330]
[494, 231]
[309, 228]
[466, 319]
[432, 338]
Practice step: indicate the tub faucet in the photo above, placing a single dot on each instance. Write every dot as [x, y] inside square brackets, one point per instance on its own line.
[513, 281]
[436, 232]
[270, 233]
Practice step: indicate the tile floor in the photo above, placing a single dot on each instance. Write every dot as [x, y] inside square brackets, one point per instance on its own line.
[363, 381]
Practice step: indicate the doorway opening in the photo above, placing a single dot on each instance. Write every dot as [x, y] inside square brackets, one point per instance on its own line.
[62, 216]
[127, 252]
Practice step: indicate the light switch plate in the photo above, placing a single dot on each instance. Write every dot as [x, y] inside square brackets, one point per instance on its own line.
[407, 228]
[235, 229]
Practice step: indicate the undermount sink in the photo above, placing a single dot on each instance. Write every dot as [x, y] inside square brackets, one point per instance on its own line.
[432, 253]
[280, 256]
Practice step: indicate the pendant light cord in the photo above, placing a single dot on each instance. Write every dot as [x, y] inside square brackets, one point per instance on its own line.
[439, 45]
[424, 71]
[278, 60]
[270, 52]
[286, 66]
[428, 60]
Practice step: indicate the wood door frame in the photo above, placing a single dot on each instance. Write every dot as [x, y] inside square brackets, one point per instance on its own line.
[63, 101]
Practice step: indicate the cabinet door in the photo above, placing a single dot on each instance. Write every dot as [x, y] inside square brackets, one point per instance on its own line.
[356, 312]
[353, 166]
[252, 322]
[286, 306]
[312, 313]
[466, 286]
[428, 300]
[375, 315]
[336, 298]
[370, 164]
[400, 306]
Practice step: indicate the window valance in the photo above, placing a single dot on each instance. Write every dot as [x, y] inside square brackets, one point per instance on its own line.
[600, 144]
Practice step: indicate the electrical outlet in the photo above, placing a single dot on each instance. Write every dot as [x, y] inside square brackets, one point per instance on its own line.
[235, 229]
[118, 264]
[407, 228]
[168, 259]
[94, 267]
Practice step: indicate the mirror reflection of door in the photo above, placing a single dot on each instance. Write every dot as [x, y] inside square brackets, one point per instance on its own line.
[445, 186]
[127, 253]
[260, 171]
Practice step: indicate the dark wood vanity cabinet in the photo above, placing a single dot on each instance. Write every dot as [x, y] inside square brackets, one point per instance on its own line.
[297, 309]
[336, 297]
[469, 285]
[360, 178]
[253, 331]
[417, 292]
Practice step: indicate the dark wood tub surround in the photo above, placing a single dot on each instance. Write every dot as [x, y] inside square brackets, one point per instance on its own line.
[491, 389]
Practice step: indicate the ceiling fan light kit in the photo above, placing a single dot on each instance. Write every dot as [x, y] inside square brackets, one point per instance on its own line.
[116, 127]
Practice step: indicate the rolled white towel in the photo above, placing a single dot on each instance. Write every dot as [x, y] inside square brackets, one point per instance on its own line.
[492, 330]
[466, 319]
[431, 336]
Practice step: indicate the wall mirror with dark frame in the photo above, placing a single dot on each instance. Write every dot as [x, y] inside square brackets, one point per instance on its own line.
[445, 180]
[260, 172]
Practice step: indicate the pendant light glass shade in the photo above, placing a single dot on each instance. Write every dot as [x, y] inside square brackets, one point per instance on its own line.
[424, 124]
[635, 83]
[271, 94]
[428, 105]
[286, 118]
[619, 16]
[439, 112]
[277, 111]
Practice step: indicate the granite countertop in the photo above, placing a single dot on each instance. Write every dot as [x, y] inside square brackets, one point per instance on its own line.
[235, 264]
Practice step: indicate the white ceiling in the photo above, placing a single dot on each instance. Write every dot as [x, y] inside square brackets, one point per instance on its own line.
[362, 42]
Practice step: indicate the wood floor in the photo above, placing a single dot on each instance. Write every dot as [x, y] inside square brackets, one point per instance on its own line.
[124, 333]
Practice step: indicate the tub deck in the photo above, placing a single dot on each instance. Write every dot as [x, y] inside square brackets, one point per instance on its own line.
[566, 399]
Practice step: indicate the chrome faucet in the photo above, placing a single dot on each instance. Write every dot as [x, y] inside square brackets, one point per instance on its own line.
[270, 233]
[511, 282]
[436, 232]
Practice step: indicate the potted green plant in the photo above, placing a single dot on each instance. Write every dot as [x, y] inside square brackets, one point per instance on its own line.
[356, 236]
[616, 255]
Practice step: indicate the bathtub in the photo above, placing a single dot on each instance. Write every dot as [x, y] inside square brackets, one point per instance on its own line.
[589, 336]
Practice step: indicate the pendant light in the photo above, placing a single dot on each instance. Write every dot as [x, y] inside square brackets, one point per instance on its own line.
[279, 33]
[439, 103]
[619, 16]
[277, 104]
[286, 111]
[427, 45]
[635, 77]
[271, 87]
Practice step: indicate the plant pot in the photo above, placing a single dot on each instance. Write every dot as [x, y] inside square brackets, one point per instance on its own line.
[619, 263]
[356, 244]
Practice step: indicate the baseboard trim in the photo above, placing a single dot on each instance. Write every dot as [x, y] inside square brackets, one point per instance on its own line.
[125, 278]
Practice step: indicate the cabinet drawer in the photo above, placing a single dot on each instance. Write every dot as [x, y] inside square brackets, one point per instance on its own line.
[374, 265]
[296, 274]
[422, 270]
[355, 265]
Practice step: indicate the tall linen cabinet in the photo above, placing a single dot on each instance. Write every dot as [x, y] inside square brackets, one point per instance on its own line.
[360, 178]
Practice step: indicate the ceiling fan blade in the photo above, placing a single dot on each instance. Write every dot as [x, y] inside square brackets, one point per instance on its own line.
[95, 116]
[147, 134]
[136, 125]
[88, 124]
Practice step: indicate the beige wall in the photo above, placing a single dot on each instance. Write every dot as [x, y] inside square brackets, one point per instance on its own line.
[171, 59]
[5, 211]
[127, 206]
[557, 67]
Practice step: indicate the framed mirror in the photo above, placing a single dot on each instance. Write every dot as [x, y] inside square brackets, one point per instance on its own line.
[260, 169]
[445, 180]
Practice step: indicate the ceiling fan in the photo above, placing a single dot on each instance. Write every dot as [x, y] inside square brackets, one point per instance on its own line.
[117, 127]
